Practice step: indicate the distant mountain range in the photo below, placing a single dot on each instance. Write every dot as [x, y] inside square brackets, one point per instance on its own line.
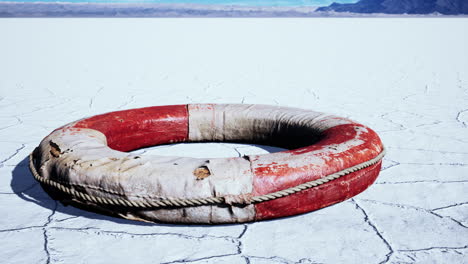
[446, 7]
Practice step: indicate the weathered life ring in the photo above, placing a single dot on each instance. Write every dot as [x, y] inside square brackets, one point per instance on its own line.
[85, 163]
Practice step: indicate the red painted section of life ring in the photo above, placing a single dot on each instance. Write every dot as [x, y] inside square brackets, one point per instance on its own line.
[319, 197]
[143, 127]
[280, 175]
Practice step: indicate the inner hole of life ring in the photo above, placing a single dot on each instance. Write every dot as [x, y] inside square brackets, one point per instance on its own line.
[207, 150]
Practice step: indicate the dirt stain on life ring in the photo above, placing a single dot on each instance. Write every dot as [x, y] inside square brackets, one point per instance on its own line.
[201, 172]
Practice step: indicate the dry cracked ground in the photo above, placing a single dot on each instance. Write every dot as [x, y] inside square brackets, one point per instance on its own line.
[405, 78]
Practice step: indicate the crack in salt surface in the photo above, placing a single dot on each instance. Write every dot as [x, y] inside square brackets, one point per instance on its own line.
[451, 218]
[91, 100]
[45, 232]
[20, 229]
[423, 181]
[408, 96]
[13, 155]
[50, 91]
[432, 248]
[385, 117]
[19, 122]
[430, 124]
[376, 230]
[37, 109]
[405, 206]
[243, 231]
[388, 166]
[449, 206]
[99, 231]
[272, 258]
[240, 244]
[437, 164]
[310, 91]
[131, 100]
[428, 150]
[445, 137]
[66, 219]
[200, 259]
[458, 118]
[16, 192]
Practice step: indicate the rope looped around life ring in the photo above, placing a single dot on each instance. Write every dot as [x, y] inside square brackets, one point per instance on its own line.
[243, 199]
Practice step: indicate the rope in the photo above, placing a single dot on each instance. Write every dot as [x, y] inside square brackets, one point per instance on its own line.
[174, 202]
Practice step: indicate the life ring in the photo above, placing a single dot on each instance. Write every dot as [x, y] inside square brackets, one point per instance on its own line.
[86, 163]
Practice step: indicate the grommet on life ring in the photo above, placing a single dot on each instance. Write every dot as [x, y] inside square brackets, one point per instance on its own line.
[87, 164]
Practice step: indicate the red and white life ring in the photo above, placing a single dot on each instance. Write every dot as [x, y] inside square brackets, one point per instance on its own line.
[86, 163]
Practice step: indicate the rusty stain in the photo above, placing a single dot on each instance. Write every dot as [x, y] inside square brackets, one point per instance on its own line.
[201, 172]
[55, 149]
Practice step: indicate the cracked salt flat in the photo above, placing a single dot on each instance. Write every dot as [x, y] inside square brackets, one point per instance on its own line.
[405, 78]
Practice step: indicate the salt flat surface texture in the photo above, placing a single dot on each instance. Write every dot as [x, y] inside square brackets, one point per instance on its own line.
[405, 78]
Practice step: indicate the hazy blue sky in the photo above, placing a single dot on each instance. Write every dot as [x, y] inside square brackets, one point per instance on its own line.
[217, 2]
